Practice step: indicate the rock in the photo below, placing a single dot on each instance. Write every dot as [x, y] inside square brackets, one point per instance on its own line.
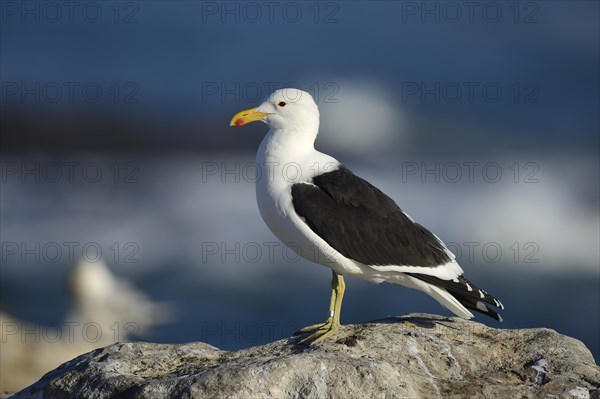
[416, 356]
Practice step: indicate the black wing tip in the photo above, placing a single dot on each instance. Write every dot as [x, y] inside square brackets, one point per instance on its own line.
[484, 309]
[475, 297]
[467, 293]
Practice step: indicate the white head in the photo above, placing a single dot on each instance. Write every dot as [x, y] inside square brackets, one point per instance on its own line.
[285, 109]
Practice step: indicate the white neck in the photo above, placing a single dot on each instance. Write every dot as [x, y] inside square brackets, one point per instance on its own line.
[288, 156]
[291, 144]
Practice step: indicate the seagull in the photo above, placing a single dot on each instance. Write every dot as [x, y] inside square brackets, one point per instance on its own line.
[328, 215]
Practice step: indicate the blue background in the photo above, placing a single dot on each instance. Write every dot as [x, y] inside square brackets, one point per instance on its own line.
[155, 83]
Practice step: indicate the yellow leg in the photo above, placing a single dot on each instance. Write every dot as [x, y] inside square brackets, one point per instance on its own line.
[319, 332]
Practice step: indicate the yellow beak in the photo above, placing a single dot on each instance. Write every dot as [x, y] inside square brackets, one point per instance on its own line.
[247, 116]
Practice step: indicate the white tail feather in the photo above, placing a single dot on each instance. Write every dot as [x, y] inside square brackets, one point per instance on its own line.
[439, 294]
[449, 302]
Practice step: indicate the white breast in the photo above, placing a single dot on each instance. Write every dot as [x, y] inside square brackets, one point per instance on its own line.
[282, 165]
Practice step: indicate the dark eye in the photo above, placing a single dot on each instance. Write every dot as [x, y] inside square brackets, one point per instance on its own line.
[281, 103]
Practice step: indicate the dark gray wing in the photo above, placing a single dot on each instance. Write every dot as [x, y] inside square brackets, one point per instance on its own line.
[364, 224]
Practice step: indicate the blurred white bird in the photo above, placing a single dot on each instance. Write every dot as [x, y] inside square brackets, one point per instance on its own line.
[103, 298]
[106, 309]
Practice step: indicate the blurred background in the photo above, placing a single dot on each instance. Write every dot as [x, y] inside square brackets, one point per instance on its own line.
[127, 202]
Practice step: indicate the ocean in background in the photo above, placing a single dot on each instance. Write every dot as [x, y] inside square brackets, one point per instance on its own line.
[185, 229]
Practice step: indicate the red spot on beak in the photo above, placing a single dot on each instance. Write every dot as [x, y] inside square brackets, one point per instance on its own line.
[239, 122]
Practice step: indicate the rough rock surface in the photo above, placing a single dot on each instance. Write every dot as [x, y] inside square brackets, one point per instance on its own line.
[417, 356]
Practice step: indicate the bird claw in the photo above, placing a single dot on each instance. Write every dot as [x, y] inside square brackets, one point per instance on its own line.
[318, 332]
[312, 328]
